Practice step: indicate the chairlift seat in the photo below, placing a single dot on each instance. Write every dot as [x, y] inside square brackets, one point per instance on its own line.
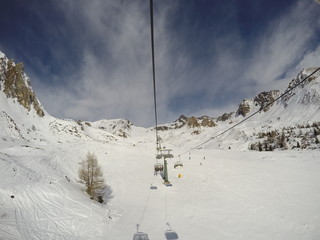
[140, 236]
[178, 164]
[171, 235]
[158, 167]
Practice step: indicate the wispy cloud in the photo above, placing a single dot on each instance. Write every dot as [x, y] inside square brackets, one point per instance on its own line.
[284, 44]
[108, 72]
[278, 53]
[113, 78]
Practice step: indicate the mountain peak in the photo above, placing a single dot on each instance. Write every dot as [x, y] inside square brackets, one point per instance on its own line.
[16, 84]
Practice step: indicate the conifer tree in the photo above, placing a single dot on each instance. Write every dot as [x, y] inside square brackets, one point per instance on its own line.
[91, 175]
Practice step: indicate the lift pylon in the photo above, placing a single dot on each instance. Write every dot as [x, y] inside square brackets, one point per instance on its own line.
[165, 153]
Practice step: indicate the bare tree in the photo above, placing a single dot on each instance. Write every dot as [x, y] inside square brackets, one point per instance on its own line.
[91, 175]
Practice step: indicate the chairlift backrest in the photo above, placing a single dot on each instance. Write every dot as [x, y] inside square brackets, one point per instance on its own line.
[158, 167]
[171, 235]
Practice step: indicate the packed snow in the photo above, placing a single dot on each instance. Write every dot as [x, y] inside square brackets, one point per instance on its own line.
[222, 194]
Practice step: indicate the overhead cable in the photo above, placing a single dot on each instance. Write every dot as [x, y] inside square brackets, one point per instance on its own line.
[153, 71]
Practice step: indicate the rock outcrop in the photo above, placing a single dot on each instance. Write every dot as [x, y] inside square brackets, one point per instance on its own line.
[265, 98]
[244, 108]
[225, 117]
[16, 84]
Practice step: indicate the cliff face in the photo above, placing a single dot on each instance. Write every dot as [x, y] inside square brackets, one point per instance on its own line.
[264, 98]
[244, 108]
[16, 84]
[195, 122]
[306, 93]
[261, 100]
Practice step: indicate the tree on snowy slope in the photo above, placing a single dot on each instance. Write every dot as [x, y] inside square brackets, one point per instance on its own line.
[91, 175]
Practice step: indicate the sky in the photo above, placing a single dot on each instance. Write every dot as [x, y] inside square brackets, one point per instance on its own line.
[91, 60]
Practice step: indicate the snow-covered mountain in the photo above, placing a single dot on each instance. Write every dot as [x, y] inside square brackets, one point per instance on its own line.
[219, 194]
[292, 121]
[22, 116]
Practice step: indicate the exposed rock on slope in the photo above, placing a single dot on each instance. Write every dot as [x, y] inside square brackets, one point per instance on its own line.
[16, 84]
[190, 122]
[265, 98]
[306, 96]
[244, 108]
[225, 117]
[261, 100]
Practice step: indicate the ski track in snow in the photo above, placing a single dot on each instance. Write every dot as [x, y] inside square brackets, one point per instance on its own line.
[221, 195]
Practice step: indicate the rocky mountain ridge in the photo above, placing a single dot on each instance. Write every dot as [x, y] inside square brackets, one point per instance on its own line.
[16, 84]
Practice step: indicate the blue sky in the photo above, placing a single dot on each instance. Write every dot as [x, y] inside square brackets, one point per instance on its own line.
[91, 60]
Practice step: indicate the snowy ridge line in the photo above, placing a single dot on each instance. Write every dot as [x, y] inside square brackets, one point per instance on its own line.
[253, 114]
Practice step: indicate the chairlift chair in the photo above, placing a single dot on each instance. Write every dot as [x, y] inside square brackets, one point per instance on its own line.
[140, 236]
[170, 234]
[158, 167]
[178, 164]
[153, 187]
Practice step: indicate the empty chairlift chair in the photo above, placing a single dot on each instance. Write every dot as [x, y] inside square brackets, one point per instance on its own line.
[170, 234]
[140, 236]
[178, 164]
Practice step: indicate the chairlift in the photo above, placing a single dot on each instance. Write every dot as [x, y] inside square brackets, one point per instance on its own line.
[166, 153]
[158, 167]
[170, 234]
[178, 164]
[153, 187]
[140, 236]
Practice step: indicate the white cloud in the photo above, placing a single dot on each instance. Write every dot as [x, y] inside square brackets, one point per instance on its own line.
[286, 42]
[114, 78]
[115, 82]
[310, 59]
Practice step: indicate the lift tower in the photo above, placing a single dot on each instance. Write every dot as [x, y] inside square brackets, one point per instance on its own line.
[165, 153]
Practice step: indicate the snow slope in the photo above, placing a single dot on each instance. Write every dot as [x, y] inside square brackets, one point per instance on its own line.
[222, 194]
